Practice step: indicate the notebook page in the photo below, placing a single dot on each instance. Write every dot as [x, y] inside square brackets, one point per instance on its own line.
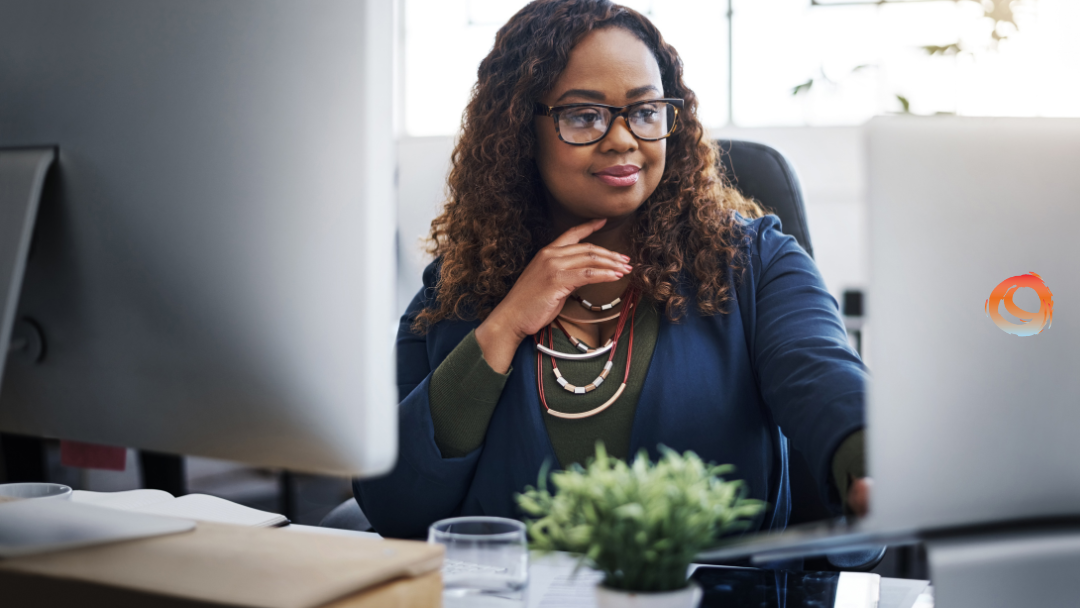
[204, 507]
[130, 500]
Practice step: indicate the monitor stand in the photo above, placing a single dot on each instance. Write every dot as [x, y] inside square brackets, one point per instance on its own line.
[1006, 569]
[22, 176]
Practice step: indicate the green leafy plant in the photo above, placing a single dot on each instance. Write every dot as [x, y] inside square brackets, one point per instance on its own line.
[904, 103]
[640, 524]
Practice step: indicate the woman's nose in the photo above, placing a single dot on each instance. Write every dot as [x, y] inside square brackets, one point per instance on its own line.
[619, 139]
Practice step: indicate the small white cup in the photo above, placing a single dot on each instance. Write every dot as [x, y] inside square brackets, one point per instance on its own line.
[47, 491]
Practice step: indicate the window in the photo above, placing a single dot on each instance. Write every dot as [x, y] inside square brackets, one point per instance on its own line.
[854, 59]
[859, 59]
[445, 40]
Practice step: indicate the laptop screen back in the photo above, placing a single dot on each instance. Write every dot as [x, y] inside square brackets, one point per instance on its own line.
[969, 424]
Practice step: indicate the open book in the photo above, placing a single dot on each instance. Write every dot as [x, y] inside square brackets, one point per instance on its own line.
[202, 507]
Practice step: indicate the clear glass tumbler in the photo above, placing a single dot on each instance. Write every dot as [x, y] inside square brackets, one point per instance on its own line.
[484, 556]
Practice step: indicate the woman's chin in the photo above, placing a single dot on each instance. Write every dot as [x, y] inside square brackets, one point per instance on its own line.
[621, 212]
[612, 208]
[596, 205]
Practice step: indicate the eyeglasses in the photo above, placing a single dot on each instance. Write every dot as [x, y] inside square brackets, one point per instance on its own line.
[581, 124]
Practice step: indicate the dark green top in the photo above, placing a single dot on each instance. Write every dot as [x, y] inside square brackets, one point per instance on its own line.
[464, 391]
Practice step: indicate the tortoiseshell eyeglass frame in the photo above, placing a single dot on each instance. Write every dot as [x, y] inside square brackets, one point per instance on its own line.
[616, 112]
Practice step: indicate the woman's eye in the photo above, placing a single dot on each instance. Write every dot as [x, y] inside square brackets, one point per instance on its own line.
[584, 118]
[645, 115]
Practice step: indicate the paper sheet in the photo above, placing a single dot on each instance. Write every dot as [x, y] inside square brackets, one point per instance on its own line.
[565, 590]
[200, 507]
[129, 500]
[203, 507]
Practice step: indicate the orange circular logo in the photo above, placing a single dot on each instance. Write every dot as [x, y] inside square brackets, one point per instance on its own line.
[1032, 322]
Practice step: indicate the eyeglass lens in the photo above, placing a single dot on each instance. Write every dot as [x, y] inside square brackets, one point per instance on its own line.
[586, 124]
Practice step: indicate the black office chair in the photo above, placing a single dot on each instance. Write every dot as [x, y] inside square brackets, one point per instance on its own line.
[763, 174]
[347, 516]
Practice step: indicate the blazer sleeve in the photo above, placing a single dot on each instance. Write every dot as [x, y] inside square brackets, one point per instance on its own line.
[423, 487]
[812, 381]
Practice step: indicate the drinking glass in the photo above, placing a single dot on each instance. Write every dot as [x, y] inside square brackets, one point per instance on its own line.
[484, 556]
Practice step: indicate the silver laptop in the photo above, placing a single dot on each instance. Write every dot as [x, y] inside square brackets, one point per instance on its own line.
[970, 423]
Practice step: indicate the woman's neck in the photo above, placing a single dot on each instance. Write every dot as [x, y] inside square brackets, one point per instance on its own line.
[617, 239]
[614, 236]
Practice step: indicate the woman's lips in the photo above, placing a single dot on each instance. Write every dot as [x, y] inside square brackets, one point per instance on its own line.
[619, 175]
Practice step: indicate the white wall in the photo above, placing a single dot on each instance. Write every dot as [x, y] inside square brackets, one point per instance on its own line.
[422, 166]
[828, 160]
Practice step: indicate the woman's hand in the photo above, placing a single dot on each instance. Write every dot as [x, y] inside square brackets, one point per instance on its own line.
[858, 496]
[540, 292]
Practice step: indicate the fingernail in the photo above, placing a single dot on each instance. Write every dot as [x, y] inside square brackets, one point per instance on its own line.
[628, 267]
[625, 258]
[619, 274]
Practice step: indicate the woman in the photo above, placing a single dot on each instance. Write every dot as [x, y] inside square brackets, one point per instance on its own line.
[595, 279]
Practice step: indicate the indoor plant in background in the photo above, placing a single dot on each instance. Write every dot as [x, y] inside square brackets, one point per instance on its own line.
[639, 524]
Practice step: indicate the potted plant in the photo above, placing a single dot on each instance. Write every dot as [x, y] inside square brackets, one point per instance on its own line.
[640, 524]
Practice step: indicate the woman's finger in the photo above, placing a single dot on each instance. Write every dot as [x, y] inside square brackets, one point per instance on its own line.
[859, 495]
[587, 259]
[576, 277]
[589, 248]
[575, 234]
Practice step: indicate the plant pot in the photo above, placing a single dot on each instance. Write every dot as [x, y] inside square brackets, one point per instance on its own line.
[687, 597]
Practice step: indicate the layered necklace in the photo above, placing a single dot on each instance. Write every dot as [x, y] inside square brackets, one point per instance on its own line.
[593, 307]
[547, 334]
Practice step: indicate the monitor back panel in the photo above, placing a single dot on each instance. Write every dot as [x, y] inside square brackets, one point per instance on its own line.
[213, 263]
[968, 423]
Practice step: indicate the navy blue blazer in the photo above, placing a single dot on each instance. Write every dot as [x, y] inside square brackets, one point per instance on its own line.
[731, 387]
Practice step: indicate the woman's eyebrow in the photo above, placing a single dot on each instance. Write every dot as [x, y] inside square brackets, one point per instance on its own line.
[638, 92]
[599, 96]
[586, 93]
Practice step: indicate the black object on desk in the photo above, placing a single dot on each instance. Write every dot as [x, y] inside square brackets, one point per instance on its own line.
[756, 588]
[853, 312]
[163, 472]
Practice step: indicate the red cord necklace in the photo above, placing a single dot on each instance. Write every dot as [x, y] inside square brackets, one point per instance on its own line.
[631, 307]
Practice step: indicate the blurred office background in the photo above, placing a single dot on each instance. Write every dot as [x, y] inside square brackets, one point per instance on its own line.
[799, 75]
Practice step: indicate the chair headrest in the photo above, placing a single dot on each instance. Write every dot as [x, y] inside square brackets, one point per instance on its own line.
[765, 175]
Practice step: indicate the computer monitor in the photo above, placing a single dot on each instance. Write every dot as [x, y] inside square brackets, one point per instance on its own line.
[212, 267]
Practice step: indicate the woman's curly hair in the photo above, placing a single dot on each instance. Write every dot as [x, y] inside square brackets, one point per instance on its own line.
[495, 218]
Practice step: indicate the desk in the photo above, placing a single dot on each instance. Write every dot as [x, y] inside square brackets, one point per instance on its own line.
[551, 586]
